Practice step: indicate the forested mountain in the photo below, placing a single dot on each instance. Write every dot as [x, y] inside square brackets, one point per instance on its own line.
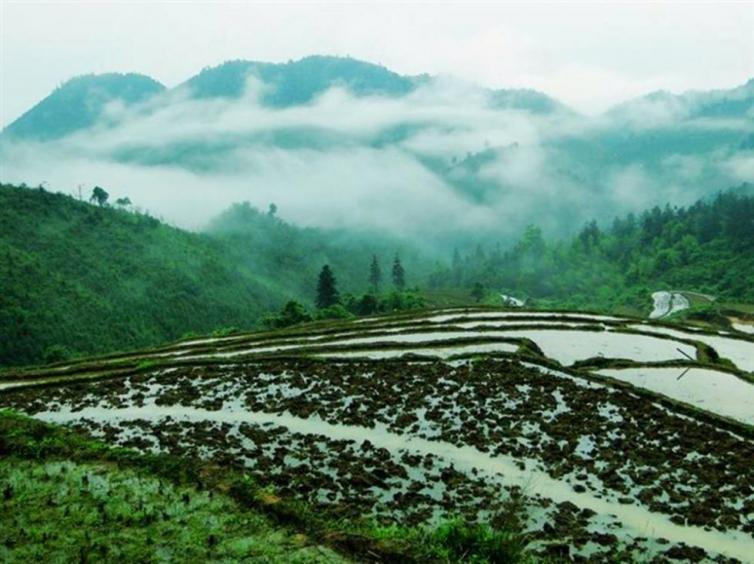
[90, 279]
[707, 247]
[736, 102]
[338, 141]
[298, 82]
[80, 103]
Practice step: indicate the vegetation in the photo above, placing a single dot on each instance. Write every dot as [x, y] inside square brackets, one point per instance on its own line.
[79, 278]
[327, 291]
[707, 248]
[67, 497]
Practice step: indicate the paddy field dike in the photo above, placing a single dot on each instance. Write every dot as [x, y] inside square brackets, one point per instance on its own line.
[596, 437]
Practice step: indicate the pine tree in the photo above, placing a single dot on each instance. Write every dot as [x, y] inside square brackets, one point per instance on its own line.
[375, 275]
[327, 291]
[457, 271]
[399, 275]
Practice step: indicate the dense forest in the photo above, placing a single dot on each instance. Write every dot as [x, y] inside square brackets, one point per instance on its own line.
[707, 247]
[83, 278]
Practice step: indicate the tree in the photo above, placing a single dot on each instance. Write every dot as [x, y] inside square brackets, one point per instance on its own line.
[272, 210]
[399, 275]
[478, 292]
[375, 275]
[292, 313]
[99, 196]
[123, 202]
[327, 291]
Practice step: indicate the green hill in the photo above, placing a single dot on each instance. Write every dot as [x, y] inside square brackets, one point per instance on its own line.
[94, 279]
[79, 103]
[707, 247]
[297, 82]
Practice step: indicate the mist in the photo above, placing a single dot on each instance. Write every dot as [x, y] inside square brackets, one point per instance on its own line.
[441, 160]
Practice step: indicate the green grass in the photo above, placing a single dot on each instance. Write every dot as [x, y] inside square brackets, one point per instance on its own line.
[65, 511]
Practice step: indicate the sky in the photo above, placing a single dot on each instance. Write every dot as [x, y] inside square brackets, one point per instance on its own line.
[588, 55]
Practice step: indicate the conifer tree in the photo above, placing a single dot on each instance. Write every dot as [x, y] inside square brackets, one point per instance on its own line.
[399, 275]
[327, 290]
[375, 275]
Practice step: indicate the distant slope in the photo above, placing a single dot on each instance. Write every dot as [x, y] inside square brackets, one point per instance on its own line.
[298, 82]
[735, 102]
[79, 103]
[707, 247]
[94, 279]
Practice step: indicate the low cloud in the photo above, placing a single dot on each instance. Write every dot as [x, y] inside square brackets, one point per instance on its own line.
[440, 159]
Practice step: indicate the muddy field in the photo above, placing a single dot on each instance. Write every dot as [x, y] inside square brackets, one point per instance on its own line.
[493, 416]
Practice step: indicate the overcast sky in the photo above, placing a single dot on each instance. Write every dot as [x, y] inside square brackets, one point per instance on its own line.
[589, 55]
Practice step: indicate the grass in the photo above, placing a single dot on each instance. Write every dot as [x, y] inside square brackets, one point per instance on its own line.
[63, 511]
[66, 497]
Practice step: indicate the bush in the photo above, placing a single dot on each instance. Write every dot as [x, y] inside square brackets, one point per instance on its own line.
[292, 313]
[478, 543]
[56, 353]
[336, 311]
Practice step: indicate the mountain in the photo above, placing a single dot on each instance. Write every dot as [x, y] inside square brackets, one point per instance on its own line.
[737, 102]
[93, 279]
[500, 157]
[79, 103]
[298, 82]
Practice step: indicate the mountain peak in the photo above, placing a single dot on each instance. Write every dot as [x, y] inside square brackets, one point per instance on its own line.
[299, 81]
[79, 102]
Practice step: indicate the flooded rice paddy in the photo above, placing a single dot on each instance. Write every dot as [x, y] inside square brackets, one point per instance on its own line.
[636, 465]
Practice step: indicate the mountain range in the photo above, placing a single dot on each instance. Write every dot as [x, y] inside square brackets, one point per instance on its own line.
[77, 103]
[482, 160]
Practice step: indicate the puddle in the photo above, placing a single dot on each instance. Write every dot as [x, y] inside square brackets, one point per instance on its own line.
[437, 352]
[739, 351]
[506, 314]
[668, 303]
[710, 390]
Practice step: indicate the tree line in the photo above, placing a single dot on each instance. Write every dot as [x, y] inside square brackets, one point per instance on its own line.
[331, 305]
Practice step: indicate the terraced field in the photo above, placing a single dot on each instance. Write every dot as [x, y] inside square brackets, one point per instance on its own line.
[606, 438]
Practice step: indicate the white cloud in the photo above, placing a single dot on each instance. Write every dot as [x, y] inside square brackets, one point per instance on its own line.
[590, 55]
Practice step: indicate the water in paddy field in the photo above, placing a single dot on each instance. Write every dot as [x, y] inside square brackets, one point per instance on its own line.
[360, 426]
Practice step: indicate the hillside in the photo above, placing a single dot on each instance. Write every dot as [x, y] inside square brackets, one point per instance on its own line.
[78, 278]
[298, 82]
[92, 279]
[81, 102]
[707, 248]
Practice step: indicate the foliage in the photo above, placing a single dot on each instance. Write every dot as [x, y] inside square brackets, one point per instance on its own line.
[327, 289]
[336, 311]
[707, 248]
[399, 274]
[99, 196]
[292, 313]
[375, 275]
[92, 279]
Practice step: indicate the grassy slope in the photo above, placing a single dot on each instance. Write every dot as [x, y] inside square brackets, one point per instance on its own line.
[65, 511]
[101, 279]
